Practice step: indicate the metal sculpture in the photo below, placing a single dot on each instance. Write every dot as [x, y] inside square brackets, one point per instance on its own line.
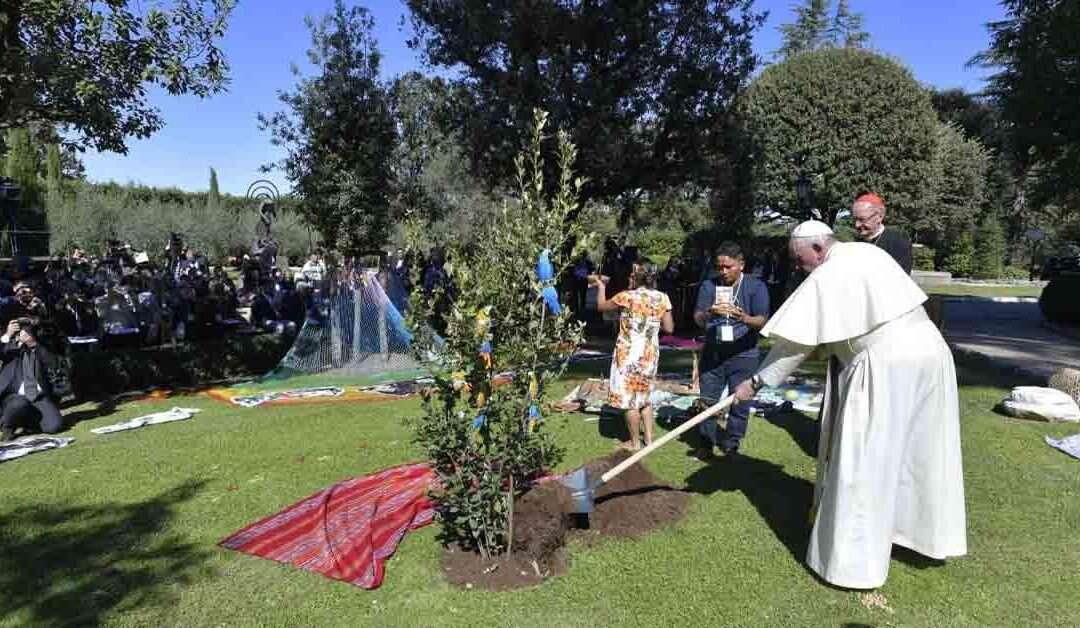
[264, 249]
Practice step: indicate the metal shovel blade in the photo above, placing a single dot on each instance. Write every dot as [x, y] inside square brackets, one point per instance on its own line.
[581, 491]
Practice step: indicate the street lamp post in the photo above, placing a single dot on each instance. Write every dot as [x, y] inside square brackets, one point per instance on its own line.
[1036, 237]
[804, 194]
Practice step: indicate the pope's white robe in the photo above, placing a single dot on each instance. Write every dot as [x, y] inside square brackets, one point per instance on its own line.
[889, 464]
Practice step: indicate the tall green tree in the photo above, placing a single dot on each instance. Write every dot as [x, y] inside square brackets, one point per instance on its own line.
[88, 66]
[338, 133]
[809, 31]
[418, 105]
[960, 259]
[847, 27]
[44, 140]
[1035, 51]
[976, 116]
[848, 119]
[23, 165]
[645, 88]
[432, 179]
[988, 261]
[814, 29]
[1007, 174]
[54, 168]
[213, 197]
[957, 188]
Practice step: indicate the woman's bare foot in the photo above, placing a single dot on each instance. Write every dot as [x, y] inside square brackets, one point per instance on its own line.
[628, 446]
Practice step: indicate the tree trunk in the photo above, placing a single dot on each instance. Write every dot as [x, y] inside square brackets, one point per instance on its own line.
[1017, 219]
[510, 522]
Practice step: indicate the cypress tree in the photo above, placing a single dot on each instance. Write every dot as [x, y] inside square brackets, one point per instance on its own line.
[989, 249]
[22, 166]
[213, 198]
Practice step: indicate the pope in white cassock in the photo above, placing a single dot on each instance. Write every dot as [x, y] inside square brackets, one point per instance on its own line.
[889, 468]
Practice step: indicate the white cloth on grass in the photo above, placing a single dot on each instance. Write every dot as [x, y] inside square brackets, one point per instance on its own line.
[1069, 444]
[174, 414]
[889, 463]
[1041, 404]
[252, 401]
[30, 444]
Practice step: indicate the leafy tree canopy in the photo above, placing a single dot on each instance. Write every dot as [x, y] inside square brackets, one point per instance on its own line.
[339, 134]
[813, 29]
[957, 187]
[850, 120]
[87, 66]
[646, 87]
[1036, 53]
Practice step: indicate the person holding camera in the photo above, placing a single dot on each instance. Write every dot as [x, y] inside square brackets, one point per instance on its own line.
[192, 266]
[25, 390]
[28, 305]
[732, 307]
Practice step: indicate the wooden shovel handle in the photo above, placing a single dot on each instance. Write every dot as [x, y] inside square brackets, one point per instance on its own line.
[715, 409]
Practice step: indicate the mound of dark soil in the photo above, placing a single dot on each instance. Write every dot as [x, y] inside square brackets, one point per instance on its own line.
[632, 504]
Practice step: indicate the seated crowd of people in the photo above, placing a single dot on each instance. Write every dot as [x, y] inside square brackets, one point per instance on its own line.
[124, 299]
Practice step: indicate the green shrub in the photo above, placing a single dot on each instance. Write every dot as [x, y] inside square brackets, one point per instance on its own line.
[923, 258]
[988, 262]
[1015, 272]
[1058, 301]
[844, 229]
[961, 258]
[819, 108]
[659, 243]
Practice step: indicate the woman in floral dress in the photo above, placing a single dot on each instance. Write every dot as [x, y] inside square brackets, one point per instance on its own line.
[644, 311]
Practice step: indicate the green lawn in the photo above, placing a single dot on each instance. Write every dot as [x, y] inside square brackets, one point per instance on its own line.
[984, 291]
[122, 530]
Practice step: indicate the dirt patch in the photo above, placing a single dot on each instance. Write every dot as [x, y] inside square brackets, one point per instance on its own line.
[469, 570]
[632, 504]
[542, 520]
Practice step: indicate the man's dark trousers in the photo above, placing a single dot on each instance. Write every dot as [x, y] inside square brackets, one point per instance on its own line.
[727, 373]
[18, 409]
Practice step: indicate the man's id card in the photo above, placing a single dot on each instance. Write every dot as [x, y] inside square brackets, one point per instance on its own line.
[727, 333]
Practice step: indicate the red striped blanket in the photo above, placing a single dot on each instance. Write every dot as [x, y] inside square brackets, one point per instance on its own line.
[348, 531]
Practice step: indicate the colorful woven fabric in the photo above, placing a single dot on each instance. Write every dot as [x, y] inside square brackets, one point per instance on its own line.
[348, 531]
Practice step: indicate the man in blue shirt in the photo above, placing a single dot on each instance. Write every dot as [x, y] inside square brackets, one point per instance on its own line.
[732, 307]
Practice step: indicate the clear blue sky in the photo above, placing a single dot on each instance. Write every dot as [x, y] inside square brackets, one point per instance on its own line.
[934, 38]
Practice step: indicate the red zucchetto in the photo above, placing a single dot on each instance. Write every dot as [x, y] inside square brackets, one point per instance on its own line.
[871, 199]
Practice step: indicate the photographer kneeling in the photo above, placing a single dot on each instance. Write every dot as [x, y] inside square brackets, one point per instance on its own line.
[25, 390]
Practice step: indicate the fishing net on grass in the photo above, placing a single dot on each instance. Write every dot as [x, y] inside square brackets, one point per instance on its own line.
[354, 338]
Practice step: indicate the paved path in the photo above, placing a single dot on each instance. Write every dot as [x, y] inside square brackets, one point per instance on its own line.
[1010, 334]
